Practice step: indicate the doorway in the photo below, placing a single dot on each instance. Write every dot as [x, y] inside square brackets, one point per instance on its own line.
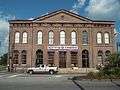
[39, 57]
[62, 59]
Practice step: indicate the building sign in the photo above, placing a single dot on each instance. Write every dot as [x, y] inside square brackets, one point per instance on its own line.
[63, 47]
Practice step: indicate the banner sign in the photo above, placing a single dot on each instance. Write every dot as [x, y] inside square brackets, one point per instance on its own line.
[63, 47]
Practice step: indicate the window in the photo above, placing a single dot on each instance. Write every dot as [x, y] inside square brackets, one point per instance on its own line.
[51, 37]
[39, 57]
[100, 57]
[51, 58]
[15, 57]
[85, 59]
[84, 37]
[99, 38]
[74, 60]
[24, 37]
[106, 37]
[23, 57]
[39, 37]
[107, 53]
[62, 37]
[73, 38]
[17, 37]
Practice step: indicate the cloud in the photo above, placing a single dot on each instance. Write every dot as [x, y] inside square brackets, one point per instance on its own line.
[98, 9]
[77, 6]
[4, 31]
[103, 9]
[31, 18]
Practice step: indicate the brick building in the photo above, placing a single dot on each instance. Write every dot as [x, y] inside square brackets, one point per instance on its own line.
[60, 38]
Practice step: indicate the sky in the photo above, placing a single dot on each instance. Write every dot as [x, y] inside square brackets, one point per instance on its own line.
[28, 9]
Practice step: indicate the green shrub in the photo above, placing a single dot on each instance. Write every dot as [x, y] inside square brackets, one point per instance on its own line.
[91, 75]
[2, 67]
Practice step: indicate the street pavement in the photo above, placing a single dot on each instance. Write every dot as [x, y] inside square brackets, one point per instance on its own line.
[18, 81]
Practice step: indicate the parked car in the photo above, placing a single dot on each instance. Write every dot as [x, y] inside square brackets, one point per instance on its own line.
[43, 69]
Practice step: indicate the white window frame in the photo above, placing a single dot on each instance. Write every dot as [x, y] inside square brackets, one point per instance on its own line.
[99, 38]
[24, 37]
[106, 38]
[62, 37]
[73, 38]
[51, 37]
[17, 37]
[39, 37]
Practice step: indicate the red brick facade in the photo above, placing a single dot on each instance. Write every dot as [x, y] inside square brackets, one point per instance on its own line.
[65, 55]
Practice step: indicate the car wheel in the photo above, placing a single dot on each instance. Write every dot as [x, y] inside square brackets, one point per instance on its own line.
[51, 72]
[31, 72]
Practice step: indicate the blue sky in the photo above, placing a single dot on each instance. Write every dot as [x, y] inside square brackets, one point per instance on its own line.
[26, 9]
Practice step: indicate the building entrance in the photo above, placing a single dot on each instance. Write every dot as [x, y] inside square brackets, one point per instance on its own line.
[39, 57]
[62, 59]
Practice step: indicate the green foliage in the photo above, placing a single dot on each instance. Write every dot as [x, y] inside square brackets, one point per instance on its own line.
[111, 69]
[3, 59]
[2, 67]
[91, 75]
[113, 60]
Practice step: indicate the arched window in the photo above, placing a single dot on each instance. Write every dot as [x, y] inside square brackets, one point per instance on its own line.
[99, 38]
[73, 38]
[106, 38]
[85, 59]
[39, 57]
[23, 57]
[24, 38]
[51, 37]
[17, 37]
[15, 57]
[100, 57]
[62, 37]
[85, 37]
[107, 53]
[39, 37]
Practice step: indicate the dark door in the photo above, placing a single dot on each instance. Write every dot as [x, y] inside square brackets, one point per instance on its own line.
[62, 59]
[39, 57]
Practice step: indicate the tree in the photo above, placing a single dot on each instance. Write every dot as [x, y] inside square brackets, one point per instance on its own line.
[114, 60]
[3, 60]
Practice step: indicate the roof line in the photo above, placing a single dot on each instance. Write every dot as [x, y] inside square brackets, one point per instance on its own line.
[62, 10]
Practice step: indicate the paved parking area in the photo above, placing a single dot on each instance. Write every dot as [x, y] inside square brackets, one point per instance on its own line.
[16, 81]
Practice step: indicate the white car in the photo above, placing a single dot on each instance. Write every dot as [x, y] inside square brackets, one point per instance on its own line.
[42, 69]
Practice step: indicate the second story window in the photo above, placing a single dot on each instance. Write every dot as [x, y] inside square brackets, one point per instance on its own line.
[106, 38]
[51, 37]
[99, 38]
[24, 38]
[17, 37]
[62, 37]
[73, 38]
[39, 37]
[84, 37]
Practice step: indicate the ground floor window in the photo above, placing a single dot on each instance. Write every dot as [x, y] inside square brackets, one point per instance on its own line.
[85, 59]
[23, 56]
[15, 57]
[100, 57]
[74, 61]
[51, 58]
[39, 57]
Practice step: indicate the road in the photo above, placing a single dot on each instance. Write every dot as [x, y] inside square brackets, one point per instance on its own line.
[16, 81]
